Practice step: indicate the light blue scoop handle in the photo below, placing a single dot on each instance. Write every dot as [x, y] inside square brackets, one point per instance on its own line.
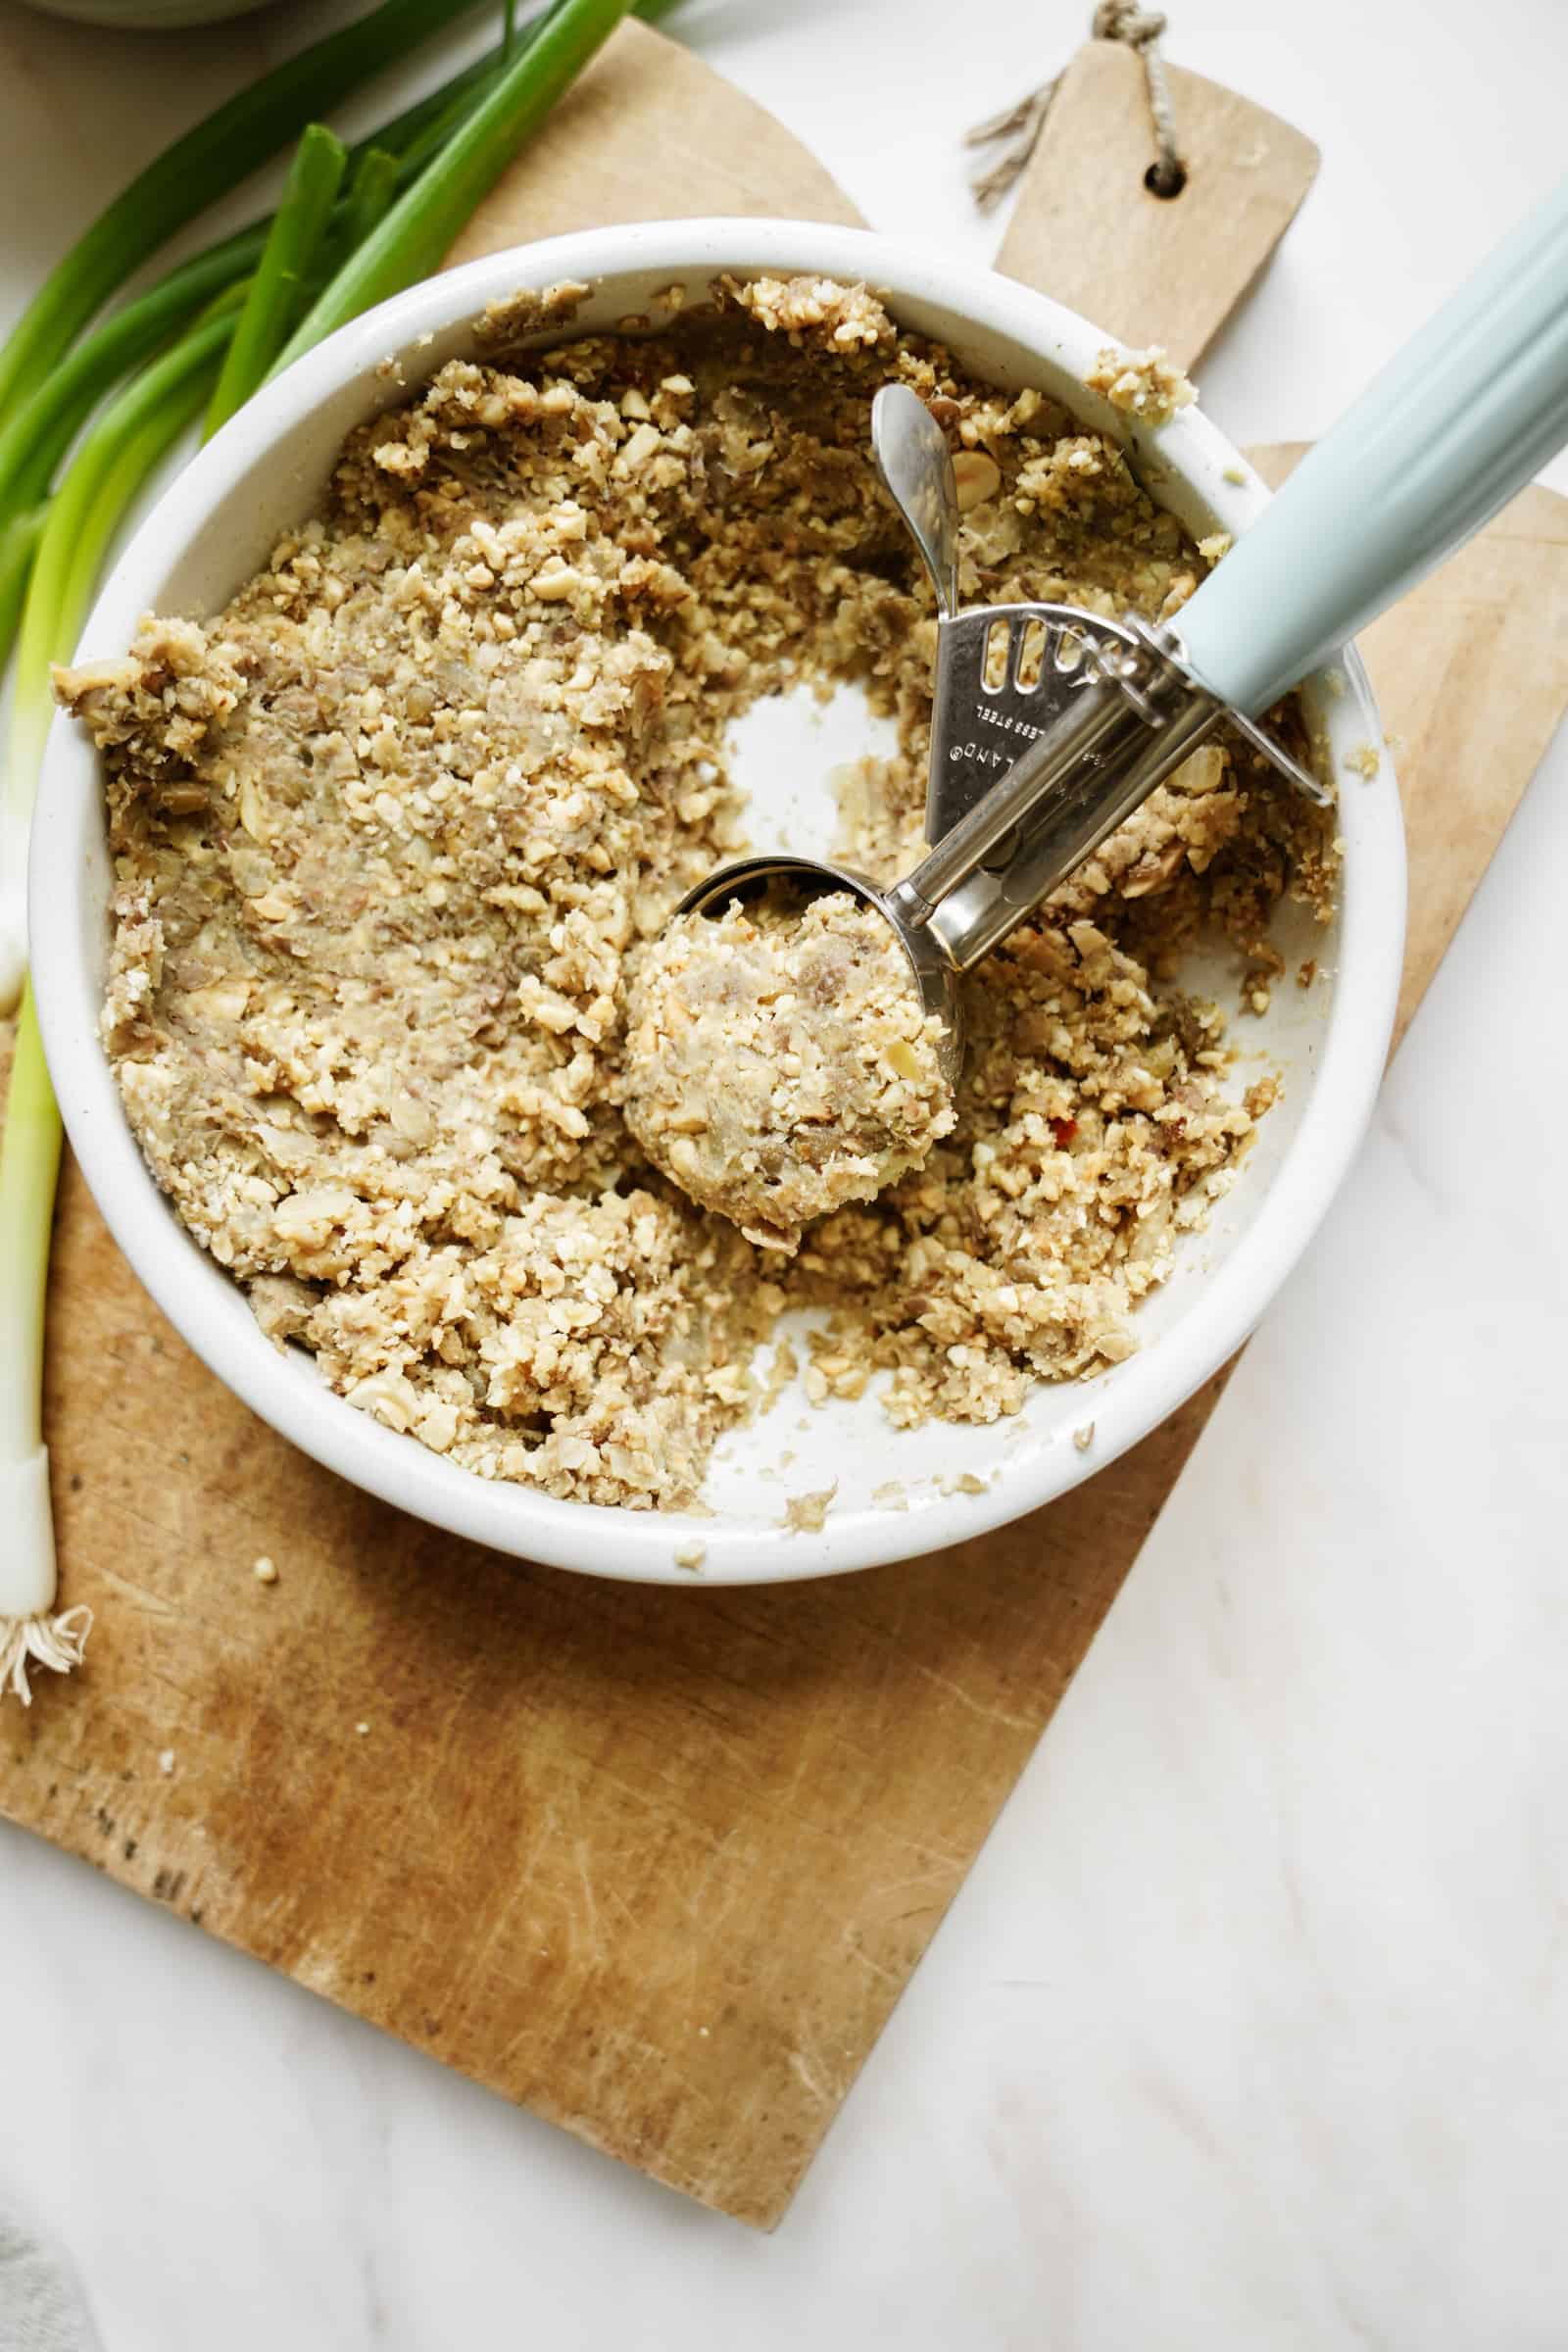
[1451, 428]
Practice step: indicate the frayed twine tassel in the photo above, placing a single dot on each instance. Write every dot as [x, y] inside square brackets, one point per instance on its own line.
[1013, 136]
[55, 1642]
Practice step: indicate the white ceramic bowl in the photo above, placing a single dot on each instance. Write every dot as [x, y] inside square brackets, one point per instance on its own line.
[262, 473]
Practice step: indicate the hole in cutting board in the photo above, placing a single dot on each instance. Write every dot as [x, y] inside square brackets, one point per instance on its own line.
[786, 755]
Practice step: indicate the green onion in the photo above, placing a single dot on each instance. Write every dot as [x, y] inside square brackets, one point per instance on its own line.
[371, 190]
[417, 232]
[18, 544]
[276, 290]
[418, 153]
[31, 1633]
[202, 166]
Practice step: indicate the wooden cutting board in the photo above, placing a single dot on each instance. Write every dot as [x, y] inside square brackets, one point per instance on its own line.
[655, 1863]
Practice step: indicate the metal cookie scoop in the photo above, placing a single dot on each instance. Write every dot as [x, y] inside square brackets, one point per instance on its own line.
[1049, 725]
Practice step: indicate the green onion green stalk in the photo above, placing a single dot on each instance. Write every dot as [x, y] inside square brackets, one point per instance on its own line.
[372, 185]
[18, 544]
[300, 224]
[412, 238]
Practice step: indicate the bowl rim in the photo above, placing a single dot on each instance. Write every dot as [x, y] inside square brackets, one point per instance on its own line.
[607, 1539]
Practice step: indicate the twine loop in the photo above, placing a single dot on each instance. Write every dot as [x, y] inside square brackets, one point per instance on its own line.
[1013, 136]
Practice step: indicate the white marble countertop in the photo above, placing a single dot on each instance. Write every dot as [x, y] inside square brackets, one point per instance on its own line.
[1250, 2027]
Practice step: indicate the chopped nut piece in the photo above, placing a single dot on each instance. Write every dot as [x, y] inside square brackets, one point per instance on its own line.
[1084, 1437]
[264, 1571]
[977, 478]
[1146, 384]
[807, 1514]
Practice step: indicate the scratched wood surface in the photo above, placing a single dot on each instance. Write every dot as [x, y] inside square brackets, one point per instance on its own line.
[655, 1864]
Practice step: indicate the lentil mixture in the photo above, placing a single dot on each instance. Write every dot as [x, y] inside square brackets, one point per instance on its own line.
[395, 832]
[779, 1062]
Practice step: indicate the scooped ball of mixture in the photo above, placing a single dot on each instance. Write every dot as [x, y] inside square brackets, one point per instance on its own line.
[779, 1062]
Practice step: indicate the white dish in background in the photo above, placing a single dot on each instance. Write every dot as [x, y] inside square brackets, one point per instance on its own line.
[262, 473]
[148, 16]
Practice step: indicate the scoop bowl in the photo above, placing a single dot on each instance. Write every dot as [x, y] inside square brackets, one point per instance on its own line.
[935, 978]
